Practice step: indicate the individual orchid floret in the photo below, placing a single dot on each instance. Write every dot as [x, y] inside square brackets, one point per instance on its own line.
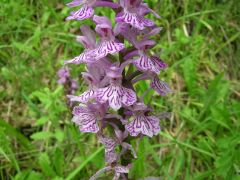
[144, 62]
[108, 44]
[95, 77]
[152, 63]
[133, 13]
[115, 94]
[160, 87]
[110, 145]
[87, 8]
[119, 171]
[88, 40]
[87, 117]
[142, 123]
[84, 97]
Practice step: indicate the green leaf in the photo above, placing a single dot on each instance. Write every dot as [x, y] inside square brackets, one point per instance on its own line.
[45, 165]
[217, 91]
[220, 115]
[189, 72]
[42, 135]
[59, 135]
[179, 164]
[42, 120]
[58, 161]
[28, 175]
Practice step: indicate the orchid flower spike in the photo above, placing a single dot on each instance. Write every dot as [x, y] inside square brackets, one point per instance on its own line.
[116, 56]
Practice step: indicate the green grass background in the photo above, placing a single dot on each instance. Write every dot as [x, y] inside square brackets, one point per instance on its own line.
[201, 43]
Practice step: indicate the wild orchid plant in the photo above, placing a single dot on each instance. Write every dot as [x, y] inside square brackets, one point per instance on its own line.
[115, 62]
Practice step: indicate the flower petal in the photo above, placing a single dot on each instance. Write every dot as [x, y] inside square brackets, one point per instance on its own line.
[143, 63]
[86, 121]
[161, 87]
[134, 19]
[153, 63]
[84, 97]
[109, 143]
[112, 94]
[142, 124]
[105, 48]
[84, 57]
[75, 3]
[110, 157]
[122, 169]
[84, 12]
[90, 35]
[158, 64]
[155, 124]
[77, 110]
[107, 4]
[129, 97]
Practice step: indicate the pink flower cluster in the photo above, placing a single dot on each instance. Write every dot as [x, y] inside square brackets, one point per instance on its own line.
[116, 58]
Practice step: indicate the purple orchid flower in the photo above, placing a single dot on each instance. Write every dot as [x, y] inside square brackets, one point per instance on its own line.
[87, 8]
[108, 44]
[115, 94]
[119, 171]
[133, 13]
[142, 123]
[88, 40]
[143, 62]
[87, 117]
[115, 58]
[110, 145]
[160, 87]
[84, 97]
[148, 63]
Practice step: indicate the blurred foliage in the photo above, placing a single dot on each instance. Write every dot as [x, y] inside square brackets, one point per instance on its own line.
[201, 43]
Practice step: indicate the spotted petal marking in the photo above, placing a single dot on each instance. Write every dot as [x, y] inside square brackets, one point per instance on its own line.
[84, 57]
[84, 12]
[112, 94]
[134, 19]
[158, 64]
[147, 125]
[154, 121]
[145, 63]
[122, 169]
[110, 157]
[105, 48]
[85, 119]
[84, 97]
[161, 87]
[116, 95]
[109, 143]
[129, 97]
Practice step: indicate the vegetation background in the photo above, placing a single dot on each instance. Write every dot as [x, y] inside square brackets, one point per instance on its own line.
[201, 43]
